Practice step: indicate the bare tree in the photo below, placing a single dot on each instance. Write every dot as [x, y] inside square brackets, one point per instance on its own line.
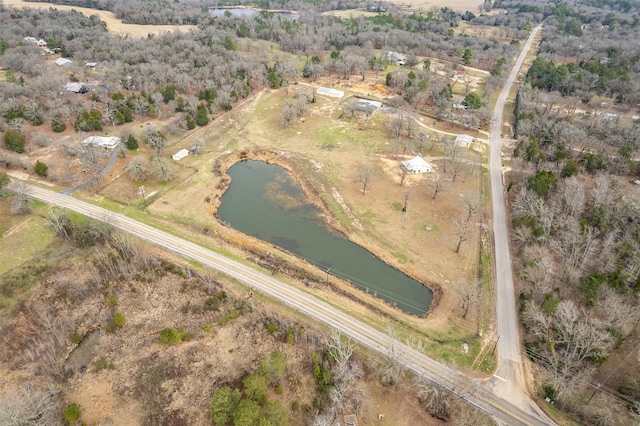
[20, 199]
[157, 141]
[435, 399]
[163, 170]
[364, 175]
[462, 227]
[436, 185]
[58, 221]
[288, 114]
[388, 369]
[138, 168]
[30, 405]
[469, 292]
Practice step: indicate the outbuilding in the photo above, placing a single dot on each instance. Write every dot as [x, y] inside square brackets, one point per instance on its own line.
[180, 154]
[75, 88]
[334, 93]
[64, 62]
[106, 142]
[464, 141]
[416, 165]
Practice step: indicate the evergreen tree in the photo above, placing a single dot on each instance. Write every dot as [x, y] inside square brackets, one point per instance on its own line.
[132, 143]
[202, 119]
[41, 169]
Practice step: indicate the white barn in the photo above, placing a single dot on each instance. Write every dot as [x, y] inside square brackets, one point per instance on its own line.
[180, 155]
[106, 142]
[416, 165]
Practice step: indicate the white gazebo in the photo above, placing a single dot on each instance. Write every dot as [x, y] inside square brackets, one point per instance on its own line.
[416, 165]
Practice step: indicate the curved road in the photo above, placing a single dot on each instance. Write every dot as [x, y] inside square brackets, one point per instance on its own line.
[475, 393]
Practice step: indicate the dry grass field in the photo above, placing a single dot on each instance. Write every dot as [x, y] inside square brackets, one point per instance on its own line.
[459, 5]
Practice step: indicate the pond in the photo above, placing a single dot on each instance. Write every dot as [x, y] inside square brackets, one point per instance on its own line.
[263, 201]
[243, 12]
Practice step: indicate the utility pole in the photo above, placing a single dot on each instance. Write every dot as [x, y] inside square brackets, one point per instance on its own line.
[144, 200]
[327, 271]
[495, 346]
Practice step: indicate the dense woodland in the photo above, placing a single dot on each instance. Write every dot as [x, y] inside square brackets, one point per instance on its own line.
[576, 226]
[575, 210]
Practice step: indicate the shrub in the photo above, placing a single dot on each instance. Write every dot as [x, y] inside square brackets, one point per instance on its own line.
[212, 304]
[41, 169]
[223, 404]
[57, 124]
[14, 140]
[103, 364]
[71, 414]
[291, 336]
[171, 336]
[272, 328]
[119, 319]
[111, 300]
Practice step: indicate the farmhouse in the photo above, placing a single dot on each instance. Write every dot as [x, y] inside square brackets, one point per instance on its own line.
[64, 62]
[416, 165]
[334, 93]
[180, 155]
[464, 140]
[106, 142]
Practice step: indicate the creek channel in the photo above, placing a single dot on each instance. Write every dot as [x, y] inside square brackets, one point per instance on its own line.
[264, 202]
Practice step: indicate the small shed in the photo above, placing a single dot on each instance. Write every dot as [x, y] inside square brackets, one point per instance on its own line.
[75, 88]
[327, 91]
[90, 64]
[64, 62]
[464, 141]
[106, 142]
[180, 154]
[416, 165]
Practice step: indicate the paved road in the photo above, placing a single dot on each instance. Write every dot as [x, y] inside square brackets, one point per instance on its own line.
[501, 409]
[508, 380]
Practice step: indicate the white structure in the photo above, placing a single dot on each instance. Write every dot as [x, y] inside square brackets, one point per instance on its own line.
[363, 103]
[395, 57]
[106, 142]
[64, 62]
[464, 140]
[416, 165]
[75, 87]
[180, 155]
[334, 93]
[90, 64]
